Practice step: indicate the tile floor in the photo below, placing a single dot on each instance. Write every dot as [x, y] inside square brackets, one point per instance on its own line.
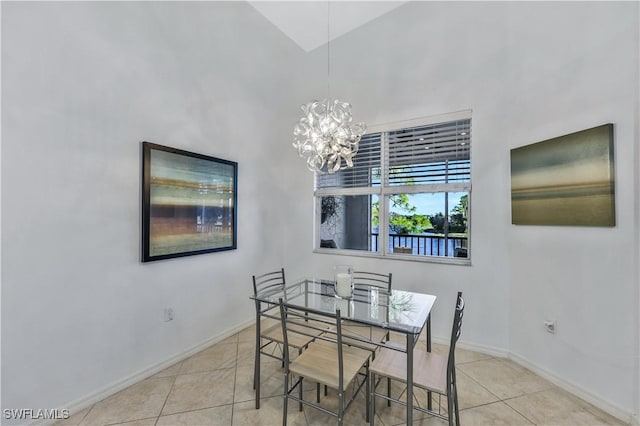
[214, 387]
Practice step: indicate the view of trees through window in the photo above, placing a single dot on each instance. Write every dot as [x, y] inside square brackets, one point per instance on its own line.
[427, 224]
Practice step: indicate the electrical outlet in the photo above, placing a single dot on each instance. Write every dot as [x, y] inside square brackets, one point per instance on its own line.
[168, 314]
[551, 326]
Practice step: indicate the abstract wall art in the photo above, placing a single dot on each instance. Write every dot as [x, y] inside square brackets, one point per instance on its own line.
[189, 203]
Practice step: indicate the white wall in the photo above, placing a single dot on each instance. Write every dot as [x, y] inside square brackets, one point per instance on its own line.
[636, 419]
[82, 85]
[529, 71]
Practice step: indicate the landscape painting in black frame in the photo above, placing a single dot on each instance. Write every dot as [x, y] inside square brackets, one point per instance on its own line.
[189, 203]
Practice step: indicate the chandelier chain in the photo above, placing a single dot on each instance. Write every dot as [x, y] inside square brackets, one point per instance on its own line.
[325, 136]
[328, 50]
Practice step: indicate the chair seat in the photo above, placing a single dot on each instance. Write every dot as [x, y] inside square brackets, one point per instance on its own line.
[295, 340]
[429, 369]
[319, 363]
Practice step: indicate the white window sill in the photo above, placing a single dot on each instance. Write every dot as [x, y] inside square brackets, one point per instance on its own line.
[460, 261]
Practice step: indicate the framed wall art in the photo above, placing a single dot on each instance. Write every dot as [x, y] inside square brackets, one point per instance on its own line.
[567, 180]
[189, 203]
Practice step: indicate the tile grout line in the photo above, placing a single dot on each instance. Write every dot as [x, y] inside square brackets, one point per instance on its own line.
[199, 372]
[129, 421]
[86, 414]
[167, 397]
[479, 384]
[189, 411]
[523, 395]
[504, 401]
[235, 380]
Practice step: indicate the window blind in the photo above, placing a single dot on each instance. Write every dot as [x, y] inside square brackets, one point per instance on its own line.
[365, 171]
[432, 154]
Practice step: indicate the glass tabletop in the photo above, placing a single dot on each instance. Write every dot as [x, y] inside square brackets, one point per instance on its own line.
[401, 311]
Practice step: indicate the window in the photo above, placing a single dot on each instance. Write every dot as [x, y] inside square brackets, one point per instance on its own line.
[407, 196]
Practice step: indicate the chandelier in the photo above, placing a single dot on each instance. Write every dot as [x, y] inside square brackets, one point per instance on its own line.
[325, 135]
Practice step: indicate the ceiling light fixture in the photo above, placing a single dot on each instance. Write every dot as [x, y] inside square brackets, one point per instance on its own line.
[325, 135]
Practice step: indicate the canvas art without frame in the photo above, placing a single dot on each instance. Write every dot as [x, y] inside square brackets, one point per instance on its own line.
[568, 180]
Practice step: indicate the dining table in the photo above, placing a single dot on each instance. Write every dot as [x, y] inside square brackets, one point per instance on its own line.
[399, 311]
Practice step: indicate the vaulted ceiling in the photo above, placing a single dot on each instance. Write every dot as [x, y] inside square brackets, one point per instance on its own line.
[306, 23]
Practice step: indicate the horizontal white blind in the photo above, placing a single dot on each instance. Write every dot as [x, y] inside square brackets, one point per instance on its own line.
[433, 154]
[365, 171]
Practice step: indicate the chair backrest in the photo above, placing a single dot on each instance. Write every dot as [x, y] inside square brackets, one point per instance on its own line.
[320, 326]
[455, 335]
[271, 281]
[372, 279]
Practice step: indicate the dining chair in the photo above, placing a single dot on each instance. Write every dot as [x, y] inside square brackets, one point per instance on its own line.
[372, 279]
[269, 338]
[360, 335]
[432, 372]
[325, 360]
[363, 282]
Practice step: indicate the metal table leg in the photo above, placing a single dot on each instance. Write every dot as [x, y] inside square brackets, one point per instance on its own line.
[410, 343]
[256, 368]
[429, 402]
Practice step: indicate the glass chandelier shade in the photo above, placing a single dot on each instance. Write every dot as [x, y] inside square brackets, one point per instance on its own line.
[326, 137]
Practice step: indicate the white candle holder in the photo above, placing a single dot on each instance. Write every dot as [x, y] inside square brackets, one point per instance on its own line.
[344, 281]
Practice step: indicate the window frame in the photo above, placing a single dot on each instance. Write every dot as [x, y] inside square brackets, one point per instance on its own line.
[384, 191]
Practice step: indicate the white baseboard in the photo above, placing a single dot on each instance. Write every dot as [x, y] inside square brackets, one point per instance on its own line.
[86, 401]
[484, 349]
[597, 401]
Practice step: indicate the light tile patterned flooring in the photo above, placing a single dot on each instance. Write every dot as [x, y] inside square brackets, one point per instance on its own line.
[214, 387]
